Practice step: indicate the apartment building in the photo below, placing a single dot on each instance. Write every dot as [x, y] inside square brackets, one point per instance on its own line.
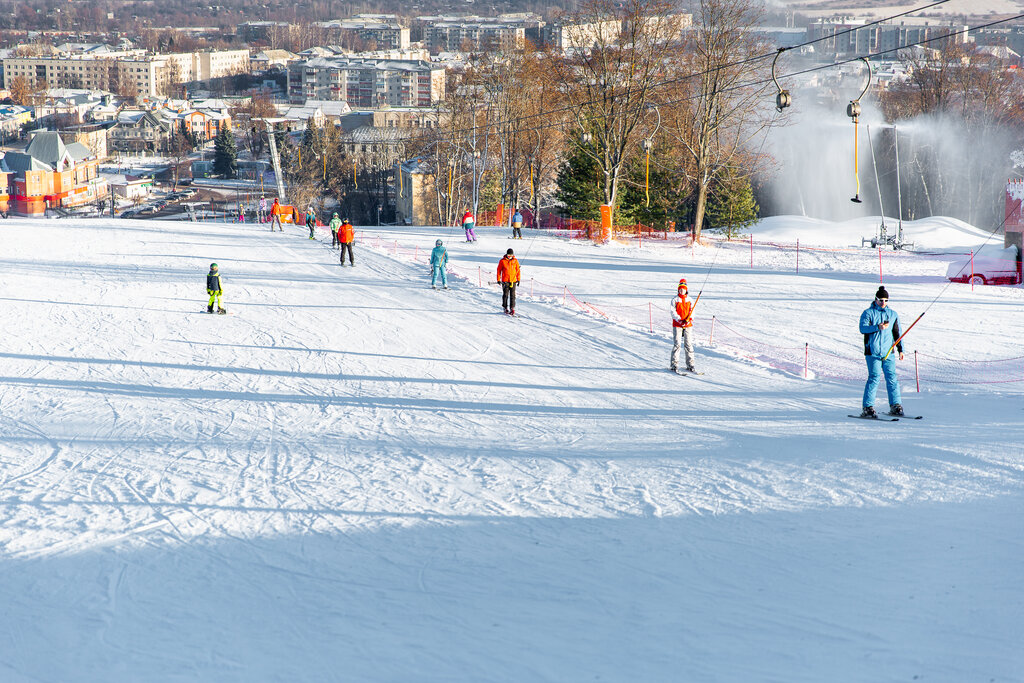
[454, 36]
[530, 23]
[263, 31]
[119, 71]
[367, 84]
[381, 30]
[880, 38]
[579, 36]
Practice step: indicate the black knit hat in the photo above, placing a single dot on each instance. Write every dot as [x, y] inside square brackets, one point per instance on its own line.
[881, 293]
[509, 252]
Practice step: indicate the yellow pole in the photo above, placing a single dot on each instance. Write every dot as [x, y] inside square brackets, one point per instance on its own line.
[856, 160]
[355, 181]
[647, 177]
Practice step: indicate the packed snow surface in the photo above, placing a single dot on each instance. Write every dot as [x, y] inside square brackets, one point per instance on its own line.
[354, 477]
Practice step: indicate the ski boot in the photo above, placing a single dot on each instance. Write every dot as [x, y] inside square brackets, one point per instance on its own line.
[209, 309]
[896, 410]
[868, 411]
[221, 311]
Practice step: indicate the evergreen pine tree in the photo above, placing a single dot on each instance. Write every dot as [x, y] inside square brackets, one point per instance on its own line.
[666, 202]
[225, 156]
[580, 185]
[731, 206]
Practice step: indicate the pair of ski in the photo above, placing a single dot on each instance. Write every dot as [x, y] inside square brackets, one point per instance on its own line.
[684, 373]
[888, 418]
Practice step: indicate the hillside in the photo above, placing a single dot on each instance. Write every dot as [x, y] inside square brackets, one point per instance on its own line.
[354, 477]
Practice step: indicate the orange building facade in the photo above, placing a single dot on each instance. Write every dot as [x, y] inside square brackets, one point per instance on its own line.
[50, 174]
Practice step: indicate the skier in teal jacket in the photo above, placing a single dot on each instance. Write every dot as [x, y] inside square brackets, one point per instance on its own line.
[881, 329]
[439, 265]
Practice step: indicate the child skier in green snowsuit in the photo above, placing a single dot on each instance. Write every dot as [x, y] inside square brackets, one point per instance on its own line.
[213, 288]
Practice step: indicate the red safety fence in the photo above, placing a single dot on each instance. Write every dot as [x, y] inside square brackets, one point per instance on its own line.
[806, 361]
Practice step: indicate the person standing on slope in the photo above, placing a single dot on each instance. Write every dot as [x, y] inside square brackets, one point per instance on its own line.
[214, 289]
[261, 213]
[881, 329]
[347, 236]
[334, 225]
[439, 265]
[517, 225]
[682, 327]
[310, 221]
[508, 277]
[467, 225]
[275, 215]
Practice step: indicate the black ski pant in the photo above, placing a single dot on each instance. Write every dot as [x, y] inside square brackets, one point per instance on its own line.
[351, 259]
[517, 233]
[334, 239]
[508, 295]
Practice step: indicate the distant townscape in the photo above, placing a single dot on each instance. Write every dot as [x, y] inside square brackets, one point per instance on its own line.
[667, 118]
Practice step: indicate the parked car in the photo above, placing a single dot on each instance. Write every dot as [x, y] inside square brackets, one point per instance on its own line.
[188, 192]
[990, 267]
[129, 213]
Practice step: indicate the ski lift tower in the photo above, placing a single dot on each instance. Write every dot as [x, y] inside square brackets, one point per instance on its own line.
[275, 160]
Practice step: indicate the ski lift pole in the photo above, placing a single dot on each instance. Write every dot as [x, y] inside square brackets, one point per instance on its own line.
[902, 336]
[853, 110]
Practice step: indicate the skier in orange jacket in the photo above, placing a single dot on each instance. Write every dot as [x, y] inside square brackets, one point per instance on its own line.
[682, 327]
[508, 277]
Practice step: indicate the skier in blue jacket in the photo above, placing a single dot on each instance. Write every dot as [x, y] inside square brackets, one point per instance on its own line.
[439, 265]
[881, 328]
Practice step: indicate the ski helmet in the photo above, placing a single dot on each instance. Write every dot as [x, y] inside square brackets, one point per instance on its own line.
[213, 266]
[509, 252]
[438, 243]
[682, 284]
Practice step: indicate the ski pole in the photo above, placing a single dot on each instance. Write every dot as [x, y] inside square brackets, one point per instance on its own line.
[902, 336]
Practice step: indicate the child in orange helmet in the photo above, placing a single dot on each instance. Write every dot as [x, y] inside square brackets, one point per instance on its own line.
[682, 327]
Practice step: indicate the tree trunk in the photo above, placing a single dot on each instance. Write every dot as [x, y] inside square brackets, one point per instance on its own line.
[702, 200]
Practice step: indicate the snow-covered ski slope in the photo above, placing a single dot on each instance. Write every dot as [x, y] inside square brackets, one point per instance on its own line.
[357, 478]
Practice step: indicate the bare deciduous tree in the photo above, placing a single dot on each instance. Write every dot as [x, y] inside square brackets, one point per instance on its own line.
[613, 76]
[718, 98]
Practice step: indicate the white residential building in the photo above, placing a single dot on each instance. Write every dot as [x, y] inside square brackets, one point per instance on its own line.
[367, 84]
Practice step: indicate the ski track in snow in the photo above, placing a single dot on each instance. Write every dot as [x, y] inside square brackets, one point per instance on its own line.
[357, 476]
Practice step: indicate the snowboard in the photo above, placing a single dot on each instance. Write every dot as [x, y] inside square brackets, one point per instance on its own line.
[888, 418]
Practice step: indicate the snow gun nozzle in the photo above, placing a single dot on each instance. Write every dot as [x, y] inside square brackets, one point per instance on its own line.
[856, 199]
